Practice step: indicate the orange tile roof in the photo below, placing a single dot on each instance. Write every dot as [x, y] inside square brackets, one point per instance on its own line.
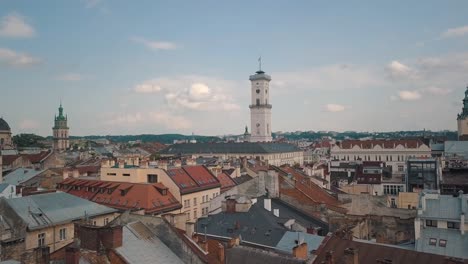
[193, 178]
[226, 182]
[123, 195]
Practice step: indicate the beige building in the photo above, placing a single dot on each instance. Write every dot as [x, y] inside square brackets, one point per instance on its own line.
[44, 223]
[193, 186]
[408, 200]
[394, 153]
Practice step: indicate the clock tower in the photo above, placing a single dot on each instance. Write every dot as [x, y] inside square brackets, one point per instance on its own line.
[462, 119]
[260, 107]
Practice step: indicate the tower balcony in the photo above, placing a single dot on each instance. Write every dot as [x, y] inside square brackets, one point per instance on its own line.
[260, 106]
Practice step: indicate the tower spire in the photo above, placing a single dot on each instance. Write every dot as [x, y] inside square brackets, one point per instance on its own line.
[260, 63]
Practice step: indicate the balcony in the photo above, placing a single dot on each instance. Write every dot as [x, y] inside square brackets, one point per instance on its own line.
[260, 106]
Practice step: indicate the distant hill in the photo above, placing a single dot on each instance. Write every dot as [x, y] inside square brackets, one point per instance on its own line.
[163, 138]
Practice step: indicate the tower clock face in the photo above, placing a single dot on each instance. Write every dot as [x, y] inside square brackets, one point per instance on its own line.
[258, 90]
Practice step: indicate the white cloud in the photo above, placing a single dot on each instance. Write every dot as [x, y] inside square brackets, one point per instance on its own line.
[13, 58]
[163, 118]
[192, 92]
[28, 124]
[334, 108]
[156, 45]
[438, 91]
[409, 95]
[70, 77]
[397, 70]
[330, 77]
[456, 32]
[14, 26]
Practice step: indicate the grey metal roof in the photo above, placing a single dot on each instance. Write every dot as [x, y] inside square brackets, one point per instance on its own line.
[232, 148]
[456, 148]
[288, 241]
[3, 186]
[257, 225]
[140, 245]
[457, 244]
[11, 261]
[445, 207]
[437, 147]
[247, 255]
[21, 175]
[46, 209]
[4, 125]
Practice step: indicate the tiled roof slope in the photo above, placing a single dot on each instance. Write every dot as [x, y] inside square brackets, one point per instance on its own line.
[193, 178]
[241, 148]
[123, 195]
[226, 182]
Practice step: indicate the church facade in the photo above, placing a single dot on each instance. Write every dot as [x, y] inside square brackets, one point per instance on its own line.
[5, 135]
[60, 131]
[462, 119]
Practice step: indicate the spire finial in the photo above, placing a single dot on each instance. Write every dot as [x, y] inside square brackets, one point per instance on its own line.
[260, 64]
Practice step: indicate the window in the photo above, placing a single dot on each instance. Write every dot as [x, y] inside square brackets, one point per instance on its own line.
[152, 178]
[195, 213]
[111, 174]
[453, 225]
[432, 223]
[442, 243]
[41, 239]
[432, 241]
[258, 101]
[94, 223]
[188, 216]
[63, 233]
[126, 174]
[195, 201]
[187, 203]
[106, 221]
[401, 168]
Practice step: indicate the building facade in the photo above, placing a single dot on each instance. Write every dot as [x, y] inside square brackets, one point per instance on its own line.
[462, 119]
[394, 153]
[61, 131]
[5, 135]
[260, 107]
[422, 174]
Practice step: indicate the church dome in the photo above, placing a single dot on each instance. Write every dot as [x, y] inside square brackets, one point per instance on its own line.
[4, 125]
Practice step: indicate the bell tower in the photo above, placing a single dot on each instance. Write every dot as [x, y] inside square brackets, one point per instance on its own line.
[260, 107]
[60, 131]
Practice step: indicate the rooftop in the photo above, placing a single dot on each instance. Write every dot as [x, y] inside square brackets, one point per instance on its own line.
[21, 175]
[4, 125]
[233, 148]
[42, 210]
[456, 244]
[193, 178]
[386, 144]
[152, 197]
[443, 206]
[226, 182]
[456, 148]
[257, 225]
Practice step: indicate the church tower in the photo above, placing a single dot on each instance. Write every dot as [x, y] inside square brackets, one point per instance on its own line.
[462, 119]
[60, 131]
[260, 107]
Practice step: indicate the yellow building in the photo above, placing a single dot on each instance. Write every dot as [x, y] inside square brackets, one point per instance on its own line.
[408, 200]
[44, 223]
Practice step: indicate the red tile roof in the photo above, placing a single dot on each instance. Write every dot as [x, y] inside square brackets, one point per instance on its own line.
[193, 178]
[38, 157]
[9, 159]
[226, 182]
[389, 144]
[123, 195]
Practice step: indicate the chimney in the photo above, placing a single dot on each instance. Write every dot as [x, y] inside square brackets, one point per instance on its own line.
[276, 212]
[105, 163]
[423, 201]
[300, 251]
[162, 164]
[329, 259]
[72, 255]
[144, 164]
[136, 161]
[220, 251]
[189, 229]
[235, 241]
[112, 163]
[121, 164]
[267, 204]
[351, 256]
[177, 163]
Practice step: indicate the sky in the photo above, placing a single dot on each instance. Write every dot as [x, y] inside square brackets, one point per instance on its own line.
[133, 67]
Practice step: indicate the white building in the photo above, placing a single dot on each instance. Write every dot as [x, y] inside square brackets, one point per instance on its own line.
[260, 108]
[394, 153]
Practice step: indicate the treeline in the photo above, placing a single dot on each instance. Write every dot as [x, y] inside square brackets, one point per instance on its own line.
[28, 140]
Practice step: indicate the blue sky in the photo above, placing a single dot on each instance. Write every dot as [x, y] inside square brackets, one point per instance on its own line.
[130, 67]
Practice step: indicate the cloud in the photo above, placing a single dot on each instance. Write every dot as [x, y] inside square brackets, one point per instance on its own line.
[329, 77]
[13, 58]
[28, 124]
[73, 77]
[455, 32]
[162, 118]
[409, 95]
[438, 91]
[192, 92]
[397, 70]
[334, 108]
[14, 26]
[156, 45]
[92, 3]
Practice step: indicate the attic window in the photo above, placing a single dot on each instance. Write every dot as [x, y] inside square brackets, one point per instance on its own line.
[123, 192]
[164, 192]
[442, 243]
